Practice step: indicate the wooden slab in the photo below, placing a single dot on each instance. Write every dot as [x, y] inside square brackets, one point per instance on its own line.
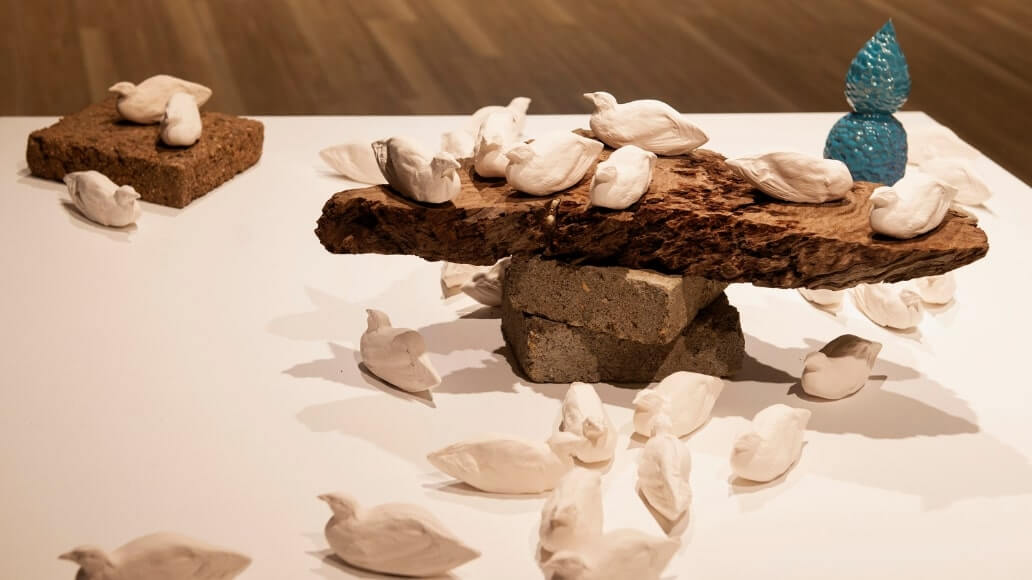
[698, 218]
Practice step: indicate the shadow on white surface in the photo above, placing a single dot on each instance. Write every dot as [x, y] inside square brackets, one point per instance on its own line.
[497, 503]
[753, 495]
[345, 367]
[334, 567]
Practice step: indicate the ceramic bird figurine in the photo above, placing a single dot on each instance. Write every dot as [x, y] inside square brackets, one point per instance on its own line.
[354, 160]
[795, 177]
[100, 200]
[652, 125]
[572, 514]
[584, 415]
[181, 125]
[822, 297]
[552, 163]
[458, 143]
[935, 289]
[393, 538]
[772, 446]
[486, 286]
[145, 103]
[889, 305]
[914, 206]
[686, 398]
[454, 276]
[663, 470]
[961, 175]
[617, 555]
[840, 368]
[623, 178]
[504, 464]
[397, 355]
[518, 107]
[160, 556]
[499, 131]
[416, 173]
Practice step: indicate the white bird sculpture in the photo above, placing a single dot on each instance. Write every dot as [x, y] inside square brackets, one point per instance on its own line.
[652, 125]
[505, 464]
[686, 398]
[393, 538]
[572, 514]
[455, 275]
[935, 289]
[145, 103]
[397, 355]
[160, 556]
[795, 177]
[623, 178]
[840, 368]
[458, 143]
[518, 107]
[552, 163]
[889, 305]
[913, 206]
[486, 286]
[584, 415]
[772, 446]
[415, 172]
[354, 160]
[618, 555]
[822, 297]
[663, 470]
[499, 131]
[181, 125]
[960, 174]
[100, 200]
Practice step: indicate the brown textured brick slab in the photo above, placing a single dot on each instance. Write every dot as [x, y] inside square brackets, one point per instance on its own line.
[698, 218]
[131, 154]
[638, 305]
[553, 352]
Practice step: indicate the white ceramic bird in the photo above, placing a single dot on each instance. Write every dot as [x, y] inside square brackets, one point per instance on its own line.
[889, 305]
[795, 177]
[584, 415]
[486, 286]
[454, 276]
[617, 555]
[935, 141]
[145, 103]
[181, 125]
[397, 355]
[822, 297]
[623, 178]
[840, 368]
[100, 200]
[354, 160]
[458, 143]
[160, 556]
[686, 398]
[393, 538]
[572, 514]
[415, 172]
[935, 289]
[663, 471]
[499, 131]
[913, 206]
[960, 174]
[652, 125]
[505, 464]
[518, 107]
[772, 446]
[551, 163]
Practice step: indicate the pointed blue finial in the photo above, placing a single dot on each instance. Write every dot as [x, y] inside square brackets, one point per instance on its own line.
[878, 80]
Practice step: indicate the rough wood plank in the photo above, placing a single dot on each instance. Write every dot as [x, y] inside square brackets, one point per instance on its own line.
[698, 218]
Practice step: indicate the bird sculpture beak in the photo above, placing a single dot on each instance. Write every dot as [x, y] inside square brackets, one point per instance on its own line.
[67, 556]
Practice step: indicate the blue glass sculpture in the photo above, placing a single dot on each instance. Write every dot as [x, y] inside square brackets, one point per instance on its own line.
[870, 141]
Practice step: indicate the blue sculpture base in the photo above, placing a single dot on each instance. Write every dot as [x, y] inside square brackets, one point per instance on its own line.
[872, 145]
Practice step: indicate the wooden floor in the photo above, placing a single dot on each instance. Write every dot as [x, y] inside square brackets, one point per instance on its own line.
[971, 62]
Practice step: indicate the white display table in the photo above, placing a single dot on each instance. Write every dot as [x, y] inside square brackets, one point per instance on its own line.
[200, 375]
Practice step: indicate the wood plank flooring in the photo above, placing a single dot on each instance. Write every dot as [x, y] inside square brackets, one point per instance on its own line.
[970, 61]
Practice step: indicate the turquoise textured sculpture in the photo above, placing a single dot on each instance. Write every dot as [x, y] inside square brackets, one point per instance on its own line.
[870, 141]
